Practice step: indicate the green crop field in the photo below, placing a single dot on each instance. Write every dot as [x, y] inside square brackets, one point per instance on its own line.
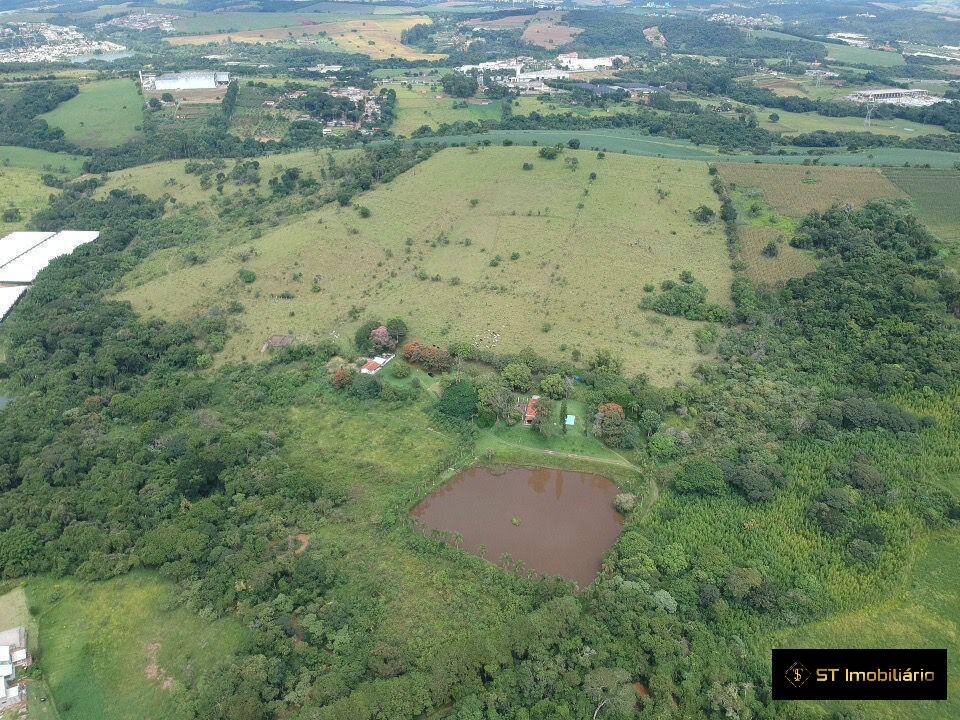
[544, 258]
[791, 123]
[20, 190]
[622, 140]
[105, 113]
[934, 194]
[857, 55]
[115, 650]
[33, 159]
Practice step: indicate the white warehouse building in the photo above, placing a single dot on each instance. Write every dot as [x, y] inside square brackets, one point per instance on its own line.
[191, 80]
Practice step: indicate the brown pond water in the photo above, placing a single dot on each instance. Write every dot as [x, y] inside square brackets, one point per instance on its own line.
[566, 519]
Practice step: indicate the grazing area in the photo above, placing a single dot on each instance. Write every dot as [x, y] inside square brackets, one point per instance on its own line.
[868, 56]
[22, 193]
[116, 650]
[483, 251]
[427, 105]
[61, 164]
[105, 113]
[171, 177]
[551, 522]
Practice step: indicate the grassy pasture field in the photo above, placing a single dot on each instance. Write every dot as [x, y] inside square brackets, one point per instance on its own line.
[867, 56]
[425, 106]
[791, 123]
[105, 113]
[377, 37]
[116, 650]
[170, 177]
[23, 190]
[584, 249]
[33, 159]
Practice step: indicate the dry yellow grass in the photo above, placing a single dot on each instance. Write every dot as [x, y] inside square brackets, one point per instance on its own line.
[789, 263]
[378, 38]
[547, 30]
[795, 190]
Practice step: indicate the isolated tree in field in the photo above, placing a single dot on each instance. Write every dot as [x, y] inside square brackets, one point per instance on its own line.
[573, 144]
[398, 329]
[703, 214]
[517, 375]
[774, 117]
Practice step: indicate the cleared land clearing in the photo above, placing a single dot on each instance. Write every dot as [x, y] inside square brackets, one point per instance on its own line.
[426, 106]
[378, 38]
[547, 30]
[788, 263]
[105, 113]
[113, 651]
[584, 250]
[257, 36]
[797, 189]
[170, 177]
[857, 55]
[32, 159]
[791, 123]
[23, 190]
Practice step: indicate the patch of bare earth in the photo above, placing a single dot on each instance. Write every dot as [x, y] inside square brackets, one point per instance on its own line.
[154, 671]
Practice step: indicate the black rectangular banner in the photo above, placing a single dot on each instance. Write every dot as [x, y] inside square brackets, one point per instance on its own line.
[876, 674]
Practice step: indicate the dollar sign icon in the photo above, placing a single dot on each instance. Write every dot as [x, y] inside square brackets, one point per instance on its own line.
[797, 674]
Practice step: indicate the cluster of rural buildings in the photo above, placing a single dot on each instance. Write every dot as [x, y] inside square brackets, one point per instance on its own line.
[529, 76]
[13, 655]
[42, 42]
[24, 254]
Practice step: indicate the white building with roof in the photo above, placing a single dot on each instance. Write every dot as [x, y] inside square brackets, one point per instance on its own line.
[13, 655]
[22, 256]
[574, 63]
[189, 80]
[895, 96]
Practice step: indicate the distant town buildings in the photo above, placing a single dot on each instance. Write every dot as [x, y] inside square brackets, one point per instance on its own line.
[141, 21]
[190, 80]
[764, 20]
[855, 39]
[46, 43]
